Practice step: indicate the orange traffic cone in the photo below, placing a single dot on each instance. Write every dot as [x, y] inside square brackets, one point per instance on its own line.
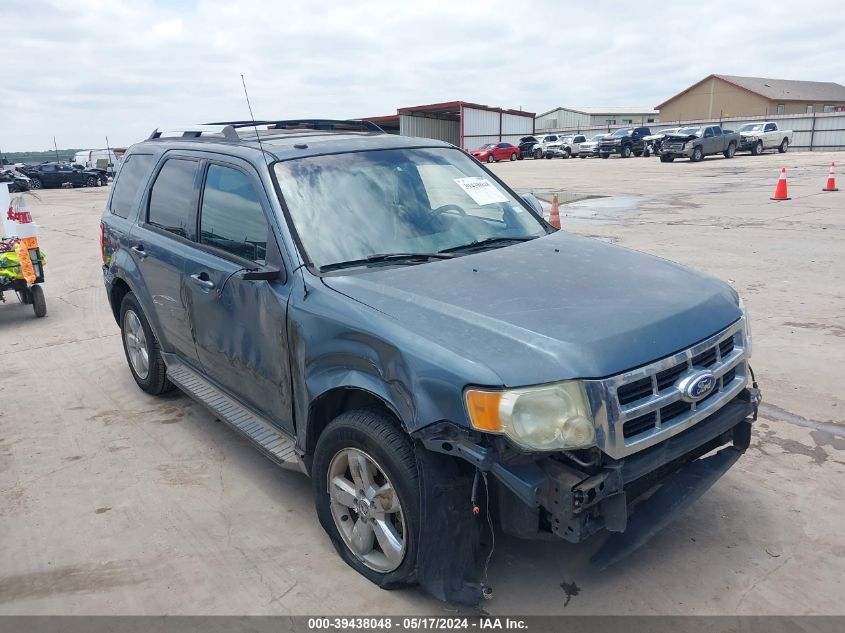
[831, 179]
[780, 190]
[554, 214]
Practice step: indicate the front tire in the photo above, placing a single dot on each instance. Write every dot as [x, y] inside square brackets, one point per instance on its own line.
[490, 159]
[35, 183]
[366, 490]
[784, 146]
[757, 149]
[666, 159]
[91, 181]
[626, 152]
[603, 155]
[39, 303]
[143, 353]
[697, 155]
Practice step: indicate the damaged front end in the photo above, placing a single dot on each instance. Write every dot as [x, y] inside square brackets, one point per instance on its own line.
[575, 494]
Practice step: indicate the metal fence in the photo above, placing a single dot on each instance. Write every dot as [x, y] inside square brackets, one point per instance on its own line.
[818, 131]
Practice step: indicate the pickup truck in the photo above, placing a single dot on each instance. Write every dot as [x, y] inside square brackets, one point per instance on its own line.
[624, 142]
[697, 142]
[755, 137]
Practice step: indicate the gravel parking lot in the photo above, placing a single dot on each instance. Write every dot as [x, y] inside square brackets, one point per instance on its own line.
[115, 502]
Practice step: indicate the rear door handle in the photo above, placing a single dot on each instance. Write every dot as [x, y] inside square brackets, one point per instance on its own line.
[139, 250]
[201, 279]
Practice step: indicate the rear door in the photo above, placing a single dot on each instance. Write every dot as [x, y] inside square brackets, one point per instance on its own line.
[160, 244]
[239, 326]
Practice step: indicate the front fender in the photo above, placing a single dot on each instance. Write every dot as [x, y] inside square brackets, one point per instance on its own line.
[337, 343]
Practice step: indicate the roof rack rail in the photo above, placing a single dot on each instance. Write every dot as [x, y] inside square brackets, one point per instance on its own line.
[340, 125]
[196, 131]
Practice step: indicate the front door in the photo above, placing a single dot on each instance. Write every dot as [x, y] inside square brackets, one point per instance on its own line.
[238, 325]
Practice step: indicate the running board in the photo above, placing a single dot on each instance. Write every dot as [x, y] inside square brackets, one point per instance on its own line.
[274, 443]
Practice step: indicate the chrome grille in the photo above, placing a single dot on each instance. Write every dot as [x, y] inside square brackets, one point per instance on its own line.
[644, 406]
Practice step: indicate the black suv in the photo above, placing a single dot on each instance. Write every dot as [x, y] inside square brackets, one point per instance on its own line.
[386, 315]
[624, 142]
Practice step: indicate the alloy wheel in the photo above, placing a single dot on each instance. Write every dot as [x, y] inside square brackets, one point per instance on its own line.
[366, 510]
[136, 344]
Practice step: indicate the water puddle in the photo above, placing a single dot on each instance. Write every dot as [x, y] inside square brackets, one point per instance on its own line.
[587, 207]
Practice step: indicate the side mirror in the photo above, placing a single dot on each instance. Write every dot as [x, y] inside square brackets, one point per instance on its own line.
[532, 203]
[261, 274]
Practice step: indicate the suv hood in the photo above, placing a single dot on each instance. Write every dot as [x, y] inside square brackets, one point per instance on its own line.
[553, 308]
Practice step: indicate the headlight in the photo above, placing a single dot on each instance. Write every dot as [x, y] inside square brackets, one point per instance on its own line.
[545, 418]
[747, 327]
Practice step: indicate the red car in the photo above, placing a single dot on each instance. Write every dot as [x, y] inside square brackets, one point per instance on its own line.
[493, 152]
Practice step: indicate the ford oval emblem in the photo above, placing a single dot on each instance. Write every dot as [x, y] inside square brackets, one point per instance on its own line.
[697, 385]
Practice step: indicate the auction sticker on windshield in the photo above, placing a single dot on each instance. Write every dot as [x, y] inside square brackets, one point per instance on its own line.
[481, 190]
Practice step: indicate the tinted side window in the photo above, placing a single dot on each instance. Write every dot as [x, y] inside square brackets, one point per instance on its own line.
[717, 131]
[132, 175]
[232, 218]
[770, 128]
[172, 198]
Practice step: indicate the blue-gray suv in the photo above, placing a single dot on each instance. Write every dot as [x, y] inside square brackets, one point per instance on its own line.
[388, 316]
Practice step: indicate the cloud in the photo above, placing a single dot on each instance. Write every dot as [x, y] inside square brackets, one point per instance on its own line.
[169, 28]
[86, 69]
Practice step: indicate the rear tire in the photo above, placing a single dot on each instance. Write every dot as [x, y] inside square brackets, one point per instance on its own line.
[513, 156]
[388, 454]
[729, 153]
[139, 341]
[39, 303]
[784, 146]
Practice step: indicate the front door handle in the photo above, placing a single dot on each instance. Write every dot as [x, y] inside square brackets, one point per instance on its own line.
[201, 279]
[139, 250]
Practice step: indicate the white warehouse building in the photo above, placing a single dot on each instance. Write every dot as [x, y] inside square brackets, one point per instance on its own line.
[574, 119]
[466, 125]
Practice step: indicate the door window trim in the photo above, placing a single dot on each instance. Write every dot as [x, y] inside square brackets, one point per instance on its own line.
[272, 242]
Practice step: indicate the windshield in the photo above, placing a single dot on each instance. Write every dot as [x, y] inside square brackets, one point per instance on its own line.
[597, 137]
[752, 127]
[622, 132]
[488, 146]
[691, 131]
[348, 207]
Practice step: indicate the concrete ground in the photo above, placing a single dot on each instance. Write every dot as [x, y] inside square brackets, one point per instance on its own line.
[113, 502]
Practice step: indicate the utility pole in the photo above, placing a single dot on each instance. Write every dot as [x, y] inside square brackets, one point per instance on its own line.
[55, 147]
[109, 162]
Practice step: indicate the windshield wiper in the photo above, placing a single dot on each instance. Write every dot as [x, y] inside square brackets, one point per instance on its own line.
[487, 242]
[386, 257]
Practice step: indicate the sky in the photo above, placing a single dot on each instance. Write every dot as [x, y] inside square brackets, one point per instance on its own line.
[82, 70]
